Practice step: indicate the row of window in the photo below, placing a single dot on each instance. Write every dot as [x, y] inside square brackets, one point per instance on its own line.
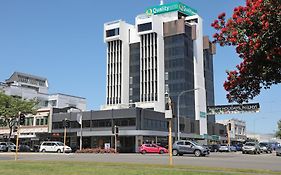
[98, 123]
[25, 79]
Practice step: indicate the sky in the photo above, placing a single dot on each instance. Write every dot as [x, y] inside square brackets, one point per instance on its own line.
[62, 40]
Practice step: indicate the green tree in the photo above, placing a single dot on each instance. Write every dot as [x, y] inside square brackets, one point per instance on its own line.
[10, 107]
[254, 30]
[278, 132]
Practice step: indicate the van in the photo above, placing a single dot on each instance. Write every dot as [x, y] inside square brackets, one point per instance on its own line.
[54, 146]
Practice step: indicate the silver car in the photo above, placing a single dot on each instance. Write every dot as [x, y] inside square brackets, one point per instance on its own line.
[251, 147]
[278, 151]
[189, 147]
[3, 146]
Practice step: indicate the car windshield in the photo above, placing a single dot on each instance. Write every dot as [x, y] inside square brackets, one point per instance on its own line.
[250, 144]
[60, 143]
[263, 144]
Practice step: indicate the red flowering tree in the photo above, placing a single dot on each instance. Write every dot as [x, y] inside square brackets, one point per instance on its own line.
[255, 31]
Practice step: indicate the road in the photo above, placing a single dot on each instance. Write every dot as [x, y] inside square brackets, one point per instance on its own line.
[222, 160]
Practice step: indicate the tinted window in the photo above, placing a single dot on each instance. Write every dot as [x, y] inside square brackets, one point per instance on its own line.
[112, 32]
[250, 144]
[180, 143]
[144, 27]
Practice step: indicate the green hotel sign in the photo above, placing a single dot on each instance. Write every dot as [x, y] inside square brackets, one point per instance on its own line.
[175, 6]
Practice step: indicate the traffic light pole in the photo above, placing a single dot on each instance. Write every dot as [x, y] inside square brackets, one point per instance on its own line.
[18, 133]
[64, 137]
[170, 143]
[115, 139]
[17, 144]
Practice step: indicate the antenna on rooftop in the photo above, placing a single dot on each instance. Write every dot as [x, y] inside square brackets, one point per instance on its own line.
[161, 2]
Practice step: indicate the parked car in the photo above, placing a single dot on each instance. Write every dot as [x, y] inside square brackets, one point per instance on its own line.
[251, 147]
[152, 148]
[226, 148]
[278, 151]
[24, 148]
[238, 147]
[265, 147]
[189, 147]
[8, 146]
[3, 147]
[54, 146]
[214, 147]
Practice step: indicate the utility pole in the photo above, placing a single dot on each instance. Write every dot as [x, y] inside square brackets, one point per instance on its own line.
[169, 116]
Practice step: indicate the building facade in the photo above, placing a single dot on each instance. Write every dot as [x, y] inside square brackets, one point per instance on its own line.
[164, 52]
[237, 129]
[37, 127]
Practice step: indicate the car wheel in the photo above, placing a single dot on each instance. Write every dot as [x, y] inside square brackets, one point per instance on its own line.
[161, 152]
[197, 153]
[175, 152]
[43, 150]
[243, 152]
[143, 151]
[58, 151]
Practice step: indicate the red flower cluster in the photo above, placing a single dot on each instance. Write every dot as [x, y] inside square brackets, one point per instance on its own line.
[255, 32]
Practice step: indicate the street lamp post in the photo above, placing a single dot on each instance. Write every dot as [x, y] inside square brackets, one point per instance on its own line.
[178, 117]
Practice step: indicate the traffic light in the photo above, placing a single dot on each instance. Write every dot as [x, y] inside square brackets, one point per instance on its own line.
[229, 126]
[22, 119]
[66, 123]
[15, 129]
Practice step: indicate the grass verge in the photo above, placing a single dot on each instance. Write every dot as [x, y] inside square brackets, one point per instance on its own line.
[94, 168]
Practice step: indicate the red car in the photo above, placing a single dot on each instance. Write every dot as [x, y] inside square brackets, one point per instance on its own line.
[152, 148]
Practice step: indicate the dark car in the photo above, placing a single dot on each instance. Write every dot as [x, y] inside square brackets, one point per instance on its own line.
[181, 147]
[265, 147]
[24, 148]
[239, 147]
[214, 147]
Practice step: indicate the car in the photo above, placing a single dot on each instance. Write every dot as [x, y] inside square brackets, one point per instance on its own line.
[152, 148]
[214, 147]
[8, 146]
[226, 148]
[251, 147]
[265, 147]
[54, 146]
[278, 150]
[24, 148]
[238, 147]
[181, 147]
[3, 147]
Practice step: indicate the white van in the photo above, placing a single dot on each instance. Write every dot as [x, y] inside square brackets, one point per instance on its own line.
[54, 146]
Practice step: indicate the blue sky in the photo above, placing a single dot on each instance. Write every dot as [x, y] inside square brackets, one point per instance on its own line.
[62, 40]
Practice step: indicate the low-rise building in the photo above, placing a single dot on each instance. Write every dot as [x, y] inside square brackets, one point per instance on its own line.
[37, 127]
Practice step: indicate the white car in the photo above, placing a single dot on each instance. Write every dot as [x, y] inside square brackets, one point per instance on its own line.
[54, 146]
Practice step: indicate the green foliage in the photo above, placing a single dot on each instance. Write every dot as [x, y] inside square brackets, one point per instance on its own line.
[278, 132]
[10, 107]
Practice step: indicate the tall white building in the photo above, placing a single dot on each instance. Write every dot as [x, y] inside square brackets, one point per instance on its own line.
[162, 53]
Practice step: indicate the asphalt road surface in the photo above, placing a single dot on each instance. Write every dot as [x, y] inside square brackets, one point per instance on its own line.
[223, 160]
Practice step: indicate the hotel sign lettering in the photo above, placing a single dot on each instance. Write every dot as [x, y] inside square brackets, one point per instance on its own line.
[232, 109]
[176, 6]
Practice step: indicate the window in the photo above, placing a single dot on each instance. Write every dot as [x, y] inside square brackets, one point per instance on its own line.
[112, 32]
[180, 143]
[144, 27]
